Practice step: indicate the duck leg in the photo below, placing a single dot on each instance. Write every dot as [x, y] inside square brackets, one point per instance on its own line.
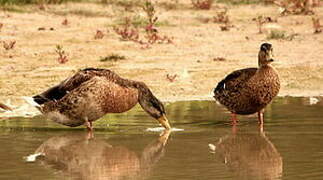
[234, 119]
[261, 117]
[88, 125]
[261, 128]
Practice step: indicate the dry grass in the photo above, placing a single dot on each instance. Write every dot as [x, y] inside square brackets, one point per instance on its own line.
[9, 44]
[112, 57]
[317, 25]
[32, 66]
[296, 6]
[23, 2]
[202, 4]
[130, 32]
[62, 56]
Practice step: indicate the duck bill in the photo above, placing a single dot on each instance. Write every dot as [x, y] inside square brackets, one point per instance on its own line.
[271, 60]
[164, 122]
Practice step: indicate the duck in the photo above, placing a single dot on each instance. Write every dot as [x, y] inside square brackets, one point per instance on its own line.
[93, 92]
[250, 90]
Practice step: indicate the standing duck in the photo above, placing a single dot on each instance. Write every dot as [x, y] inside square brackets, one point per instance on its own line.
[91, 93]
[247, 91]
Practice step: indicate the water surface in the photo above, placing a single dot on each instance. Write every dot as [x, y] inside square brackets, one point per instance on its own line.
[290, 147]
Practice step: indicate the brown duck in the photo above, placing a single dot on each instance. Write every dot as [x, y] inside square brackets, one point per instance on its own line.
[91, 93]
[247, 91]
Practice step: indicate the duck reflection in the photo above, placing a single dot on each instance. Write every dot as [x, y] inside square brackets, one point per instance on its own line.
[83, 158]
[250, 155]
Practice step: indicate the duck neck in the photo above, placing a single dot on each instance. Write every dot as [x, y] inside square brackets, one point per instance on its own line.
[144, 97]
[264, 66]
[262, 61]
[143, 91]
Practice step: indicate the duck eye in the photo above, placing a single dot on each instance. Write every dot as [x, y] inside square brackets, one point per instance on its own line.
[263, 48]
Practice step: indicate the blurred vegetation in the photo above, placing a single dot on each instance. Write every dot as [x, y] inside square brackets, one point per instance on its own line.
[80, 12]
[238, 2]
[127, 4]
[139, 21]
[112, 57]
[279, 34]
[123, 3]
[19, 2]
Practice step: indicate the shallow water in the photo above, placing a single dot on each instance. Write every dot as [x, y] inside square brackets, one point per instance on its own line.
[290, 147]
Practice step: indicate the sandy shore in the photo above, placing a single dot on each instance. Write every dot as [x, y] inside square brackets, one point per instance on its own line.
[200, 56]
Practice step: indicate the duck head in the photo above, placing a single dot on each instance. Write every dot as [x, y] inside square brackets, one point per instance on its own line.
[265, 54]
[153, 106]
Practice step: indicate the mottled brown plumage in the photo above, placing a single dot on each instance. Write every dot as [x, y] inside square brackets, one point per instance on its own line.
[91, 93]
[249, 90]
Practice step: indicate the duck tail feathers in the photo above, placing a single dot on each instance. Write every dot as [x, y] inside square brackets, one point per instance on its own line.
[31, 101]
[5, 107]
[220, 87]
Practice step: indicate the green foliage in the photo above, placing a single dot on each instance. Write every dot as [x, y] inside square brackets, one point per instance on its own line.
[239, 2]
[169, 5]
[79, 12]
[278, 34]
[20, 2]
[62, 57]
[123, 3]
[149, 9]
[112, 57]
[139, 21]
[136, 21]
[9, 2]
[17, 9]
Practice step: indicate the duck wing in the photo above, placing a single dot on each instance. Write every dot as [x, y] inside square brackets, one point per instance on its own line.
[59, 91]
[235, 81]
